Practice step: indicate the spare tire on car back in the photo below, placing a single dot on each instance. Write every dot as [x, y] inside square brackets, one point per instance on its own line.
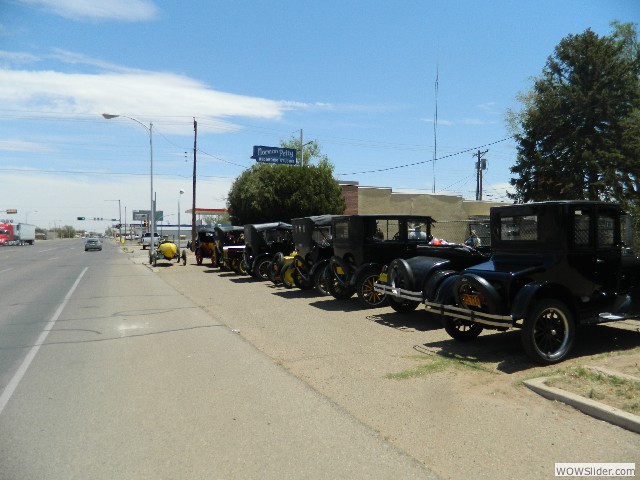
[476, 293]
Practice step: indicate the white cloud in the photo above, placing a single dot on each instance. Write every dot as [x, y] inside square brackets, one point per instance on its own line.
[119, 10]
[22, 146]
[17, 57]
[146, 95]
[441, 121]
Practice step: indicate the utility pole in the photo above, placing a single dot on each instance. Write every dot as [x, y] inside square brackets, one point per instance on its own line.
[301, 149]
[481, 164]
[193, 206]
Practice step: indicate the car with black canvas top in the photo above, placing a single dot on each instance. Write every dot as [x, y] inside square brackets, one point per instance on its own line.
[365, 244]
[262, 242]
[313, 238]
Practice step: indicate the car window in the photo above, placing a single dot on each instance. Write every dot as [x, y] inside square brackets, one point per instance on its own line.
[519, 228]
[385, 230]
[606, 229]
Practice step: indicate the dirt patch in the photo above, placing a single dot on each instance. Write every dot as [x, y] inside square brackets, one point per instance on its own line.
[616, 391]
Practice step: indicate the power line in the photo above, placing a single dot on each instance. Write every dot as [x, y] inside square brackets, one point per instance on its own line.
[427, 161]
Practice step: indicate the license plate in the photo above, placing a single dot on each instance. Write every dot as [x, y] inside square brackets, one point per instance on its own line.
[382, 278]
[339, 270]
[471, 300]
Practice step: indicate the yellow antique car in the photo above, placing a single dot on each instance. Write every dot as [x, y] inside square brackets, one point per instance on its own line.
[168, 251]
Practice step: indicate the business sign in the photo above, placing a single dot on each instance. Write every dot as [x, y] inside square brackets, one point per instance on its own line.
[11, 210]
[142, 215]
[282, 156]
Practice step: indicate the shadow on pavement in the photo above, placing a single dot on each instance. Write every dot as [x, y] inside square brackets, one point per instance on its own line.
[417, 320]
[504, 349]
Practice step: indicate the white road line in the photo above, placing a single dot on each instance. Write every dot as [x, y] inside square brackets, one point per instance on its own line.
[13, 384]
[6, 270]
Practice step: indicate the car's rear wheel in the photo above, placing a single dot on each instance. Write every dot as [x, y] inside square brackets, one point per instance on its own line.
[320, 281]
[261, 269]
[462, 330]
[340, 270]
[336, 289]
[548, 331]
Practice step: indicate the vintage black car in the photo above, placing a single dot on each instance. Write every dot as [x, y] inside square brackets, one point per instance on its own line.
[262, 242]
[554, 266]
[204, 246]
[364, 244]
[225, 236]
[313, 238]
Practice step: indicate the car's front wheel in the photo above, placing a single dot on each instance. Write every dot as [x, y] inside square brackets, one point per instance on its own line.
[367, 294]
[548, 332]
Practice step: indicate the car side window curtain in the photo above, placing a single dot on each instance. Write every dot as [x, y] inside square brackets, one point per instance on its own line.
[581, 228]
[606, 229]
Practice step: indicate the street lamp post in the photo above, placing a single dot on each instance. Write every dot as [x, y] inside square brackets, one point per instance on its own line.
[152, 220]
[181, 192]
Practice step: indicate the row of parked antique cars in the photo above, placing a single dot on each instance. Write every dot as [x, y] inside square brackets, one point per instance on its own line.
[550, 268]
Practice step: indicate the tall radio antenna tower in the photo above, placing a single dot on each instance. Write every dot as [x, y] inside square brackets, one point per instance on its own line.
[435, 132]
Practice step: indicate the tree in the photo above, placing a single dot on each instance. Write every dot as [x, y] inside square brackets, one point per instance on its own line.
[266, 193]
[578, 132]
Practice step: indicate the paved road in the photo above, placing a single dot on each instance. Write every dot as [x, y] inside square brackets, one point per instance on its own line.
[136, 381]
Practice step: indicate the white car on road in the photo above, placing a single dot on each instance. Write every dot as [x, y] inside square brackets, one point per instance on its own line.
[146, 239]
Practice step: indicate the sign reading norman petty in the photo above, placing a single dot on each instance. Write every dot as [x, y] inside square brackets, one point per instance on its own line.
[283, 156]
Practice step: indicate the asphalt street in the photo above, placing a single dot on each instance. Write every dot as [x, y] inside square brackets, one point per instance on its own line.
[135, 381]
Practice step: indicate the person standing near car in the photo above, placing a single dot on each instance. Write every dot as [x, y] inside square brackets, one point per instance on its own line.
[473, 241]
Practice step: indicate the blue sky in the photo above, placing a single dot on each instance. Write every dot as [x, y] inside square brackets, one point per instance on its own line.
[358, 77]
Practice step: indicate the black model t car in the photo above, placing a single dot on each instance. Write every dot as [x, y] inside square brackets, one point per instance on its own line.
[554, 266]
[262, 242]
[228, 235]
[205, 242]
[313, 238]
[364, 244]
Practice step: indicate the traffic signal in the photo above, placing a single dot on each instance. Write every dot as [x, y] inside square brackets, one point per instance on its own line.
[80, 218]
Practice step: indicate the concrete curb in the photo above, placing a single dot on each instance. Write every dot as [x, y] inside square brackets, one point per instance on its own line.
[598, 410]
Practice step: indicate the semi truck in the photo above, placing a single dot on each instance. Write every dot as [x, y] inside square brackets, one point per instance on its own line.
[17, 234]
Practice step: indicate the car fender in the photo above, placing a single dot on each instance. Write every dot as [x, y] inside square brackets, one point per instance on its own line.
[433, 281]
[261, 257]
[354, 278]
[444, 293]
[534, 291]
[318, 266]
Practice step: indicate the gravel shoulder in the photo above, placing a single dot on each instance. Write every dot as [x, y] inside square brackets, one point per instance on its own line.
[461, 409]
